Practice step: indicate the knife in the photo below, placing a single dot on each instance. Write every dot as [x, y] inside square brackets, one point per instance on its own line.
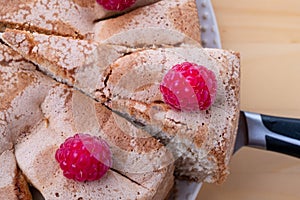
[272, 133]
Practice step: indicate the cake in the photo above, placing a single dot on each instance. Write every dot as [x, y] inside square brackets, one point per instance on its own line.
[19, 86]
[98, 72]
[201, 141]
[140, 101]
[69, 18]
[160, 24]
[140, 171]
[13, 185]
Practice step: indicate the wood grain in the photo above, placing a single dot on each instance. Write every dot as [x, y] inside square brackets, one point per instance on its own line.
[267, 33]
[257, 175]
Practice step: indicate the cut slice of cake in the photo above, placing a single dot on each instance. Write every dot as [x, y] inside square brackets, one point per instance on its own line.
[142, 167]
[12, 183]
[201, 141]
[67, 18]
[165, 23]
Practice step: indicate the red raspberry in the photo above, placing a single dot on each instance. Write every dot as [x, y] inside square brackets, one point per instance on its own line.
[117, 5]
[84, 157]
[189, 87]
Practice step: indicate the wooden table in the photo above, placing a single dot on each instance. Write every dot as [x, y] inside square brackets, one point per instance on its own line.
[267, 33]
[257, 175]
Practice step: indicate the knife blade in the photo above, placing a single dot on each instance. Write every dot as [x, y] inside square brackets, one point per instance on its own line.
[272, 133]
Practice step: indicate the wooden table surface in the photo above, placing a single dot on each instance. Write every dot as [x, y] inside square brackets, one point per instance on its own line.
[257, 175]
[267, 33]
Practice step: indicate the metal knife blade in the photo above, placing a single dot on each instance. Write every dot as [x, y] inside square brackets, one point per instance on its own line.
[269, 132]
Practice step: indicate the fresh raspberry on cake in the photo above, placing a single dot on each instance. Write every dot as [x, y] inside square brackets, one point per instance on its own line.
[84, 157]
[189, 87]
[117, 5]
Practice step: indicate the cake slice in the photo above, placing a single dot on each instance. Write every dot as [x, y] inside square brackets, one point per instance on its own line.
[142, 167]
[201, 141]
[66, 18]
[12, 183]
[165, 23]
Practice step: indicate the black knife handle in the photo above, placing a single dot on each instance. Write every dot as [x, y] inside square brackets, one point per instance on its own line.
[285, 126]
[288, 127]
[280, 146]
[274, 133]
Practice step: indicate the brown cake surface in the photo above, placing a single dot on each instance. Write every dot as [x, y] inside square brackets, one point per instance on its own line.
[34, 123]
[165, 23]
[66, 59]
[201, 141]
[22, 89]
[12, 183]
[73, 18]
[139, 170]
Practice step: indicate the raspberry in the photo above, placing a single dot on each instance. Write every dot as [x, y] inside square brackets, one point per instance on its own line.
[84, 157]
[117, 5]
[189, 87]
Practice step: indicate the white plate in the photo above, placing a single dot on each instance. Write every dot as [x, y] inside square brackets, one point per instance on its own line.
[210, 36]
[209, 27]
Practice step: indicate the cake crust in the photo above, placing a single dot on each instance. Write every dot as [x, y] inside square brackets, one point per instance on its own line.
[165, 23]
[12, 183]
[71, 18]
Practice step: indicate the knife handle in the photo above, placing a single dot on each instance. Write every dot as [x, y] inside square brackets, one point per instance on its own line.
[280, 146]
[274, 133]
[286, 127]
